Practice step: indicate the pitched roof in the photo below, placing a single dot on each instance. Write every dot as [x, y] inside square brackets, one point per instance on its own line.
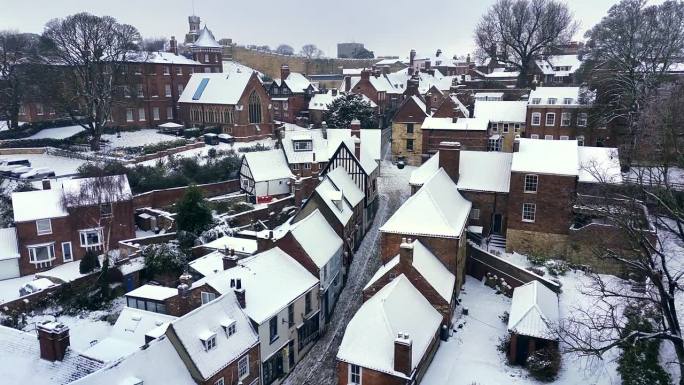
[296, 82]
[335, 200]
[216, 88]
[478, 171]
[370, 145]
[462, 124]
[501, 111]
[344, 182]
[557, 157]
[21, 362]
[262, 278]
[429, 266]
[206, 39]
[214, 319]
[558, 93]
[268, 165]
[534, 311]
[153, 292]
[397, 308]
[319, 145]
[319, 240]
[437, 209]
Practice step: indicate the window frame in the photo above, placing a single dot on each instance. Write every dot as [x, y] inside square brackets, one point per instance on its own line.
[536, 115]
[207, 296]
[353, 375]
[44, 231]
[243, 363]
[475, 214]
[71, 252]
[532, 182]
[410, 128]
[51, 253]
[546, 119]
[273, 329]
[410, 148]
[582, 118]
[564, 122]
[82, 233]
[533, 212]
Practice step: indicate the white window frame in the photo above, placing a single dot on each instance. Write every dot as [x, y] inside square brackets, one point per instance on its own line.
[533, 182]
[207, 297]
[553, 120]
[71, 252]
[566, 119]
[155, 113]
[82, 235]
[243, 367]
[536, 116]
[536, 101]
[180, 89]
[548, 137]
[351, 375]
[45, 231]
[51, 253]
[532, 210]
[167, 70]
[169, 113]
[209, 343]
[167, 90]
[506, 128]
[129, 115]
[220, 381]
[295, 166]
[582, 118]
[553, 101]
[141, 114]
[534, 136]
[567, 101]
[564, 137]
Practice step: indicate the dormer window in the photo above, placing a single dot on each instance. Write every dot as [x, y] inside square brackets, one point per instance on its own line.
[303, 145]
[552, 101]
[208, 340]
[567, 101]
[229, 326]
[536, 100]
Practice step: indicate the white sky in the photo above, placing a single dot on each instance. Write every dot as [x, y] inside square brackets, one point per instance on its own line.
[388, 27]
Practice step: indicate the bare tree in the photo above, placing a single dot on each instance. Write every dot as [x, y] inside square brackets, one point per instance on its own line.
[16, 53]
[285, 49]
[311, 51]
[627, 57]
[153, 44]
[90, 53]
[517, 32]
[643, 248]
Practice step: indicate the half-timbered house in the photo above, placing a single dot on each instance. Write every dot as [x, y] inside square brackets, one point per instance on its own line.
[265, 175]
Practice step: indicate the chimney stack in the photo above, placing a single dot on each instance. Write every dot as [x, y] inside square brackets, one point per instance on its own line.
[240, 293]
[46, 184]
[402, 354]
[450, 158]
[356, 137]
[516, 144]
[406, 252]
[173, 45]
[428, 103]
[53, 338]
[365, 74]
[229, 261]
[439, 52]
[185, 284]
[284, 71]
[412, 86]
[347, 83]
[333, 92]
[412, 57]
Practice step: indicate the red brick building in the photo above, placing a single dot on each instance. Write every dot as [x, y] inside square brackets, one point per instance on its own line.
[60, 223]
[290, 95]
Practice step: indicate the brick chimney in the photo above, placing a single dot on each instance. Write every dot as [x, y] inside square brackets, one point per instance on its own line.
[428, 102]
[402, 354]
[412, 58]
[355, 127]
[365, 74]
[240, 293]
[53, 338]
[333, 92]
[298, 191]
[284, 71]
[412, 86]
[46, 184]
[516, 144]
[347, 83]
[266, 243]
[229, 260]
[450, 158]
[439, 52]
[173, 45]
[406, 252]
[185, 284]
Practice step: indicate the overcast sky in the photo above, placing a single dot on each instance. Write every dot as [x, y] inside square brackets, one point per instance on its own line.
[388, 27]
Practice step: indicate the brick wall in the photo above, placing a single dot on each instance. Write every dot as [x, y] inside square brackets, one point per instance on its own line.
[167, 197]
[230, 372]
[470, 140]
[489, 204]
[368, 376]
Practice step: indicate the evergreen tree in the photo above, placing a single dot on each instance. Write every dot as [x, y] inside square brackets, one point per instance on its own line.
[344, 109]
[639, 364]
[88, 263]
[194, 215]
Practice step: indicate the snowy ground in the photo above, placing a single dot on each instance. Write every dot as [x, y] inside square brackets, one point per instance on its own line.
[137, 138]
[57, 133]
[85, 328]
[319, 365]
[203, 151]
[9, 288]
[60, 165]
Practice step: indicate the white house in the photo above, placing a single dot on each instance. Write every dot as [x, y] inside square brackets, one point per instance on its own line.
[265, 175]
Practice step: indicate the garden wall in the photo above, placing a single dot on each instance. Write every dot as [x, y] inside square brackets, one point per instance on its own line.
[167, 197]
[34, 300]
[481, 262]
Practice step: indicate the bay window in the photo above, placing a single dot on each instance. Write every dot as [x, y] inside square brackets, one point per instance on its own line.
[42, 255]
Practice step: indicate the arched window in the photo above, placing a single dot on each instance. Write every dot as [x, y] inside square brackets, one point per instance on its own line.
[254, 108]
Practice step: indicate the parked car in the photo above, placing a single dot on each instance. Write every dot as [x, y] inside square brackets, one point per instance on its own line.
[7, 165]
[16, 172]
[38, 173]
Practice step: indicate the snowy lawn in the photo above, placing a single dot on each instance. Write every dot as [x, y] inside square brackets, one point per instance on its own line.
[203, 151]
[60, 165]
[137, 138]
[57, 133]
[85, 328]
[9, 288]
[471, 356]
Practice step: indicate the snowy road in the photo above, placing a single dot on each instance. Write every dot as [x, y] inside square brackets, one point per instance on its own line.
[318, 367]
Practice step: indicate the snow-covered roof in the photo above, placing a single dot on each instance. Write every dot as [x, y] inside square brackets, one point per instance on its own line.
[262, 278]
[21, 362]
[550, 65]
[429, 266]
[241, 245]
[534, 311]
[437, 209]
[268, 165]
[9, 249]
[461, 124]
[322, 101]
[206, 39]
[158, 364]
[478, 171]
[599, 164]
[334, 198]
[558, 93]
[319, 145]
[344, 182]
[215, 88]
[153, 292]
[557, 157]
[503, 75]
[160, 57]
[133, 324]
[41, 204]
[296, 82]
[397, 308]
[214, 318]
[319, 240]
[501, 111]
[370, 145]
[110, 349]
[209, 264]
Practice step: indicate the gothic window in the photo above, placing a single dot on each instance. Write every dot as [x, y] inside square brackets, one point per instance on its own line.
[254, 108]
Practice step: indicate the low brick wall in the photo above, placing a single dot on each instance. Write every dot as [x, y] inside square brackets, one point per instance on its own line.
[20, 151]
[171, 151]
[263, 213]
[35, 300]
[132, 246]
[167, 197]
[481, 262]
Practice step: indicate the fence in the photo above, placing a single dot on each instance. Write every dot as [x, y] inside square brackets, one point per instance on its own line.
[481, 262]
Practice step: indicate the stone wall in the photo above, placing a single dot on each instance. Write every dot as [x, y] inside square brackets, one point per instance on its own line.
[270, 63]
[536, 243]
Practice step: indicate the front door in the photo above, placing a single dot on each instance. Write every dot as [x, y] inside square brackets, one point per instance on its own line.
[291, 355]
[496, 223]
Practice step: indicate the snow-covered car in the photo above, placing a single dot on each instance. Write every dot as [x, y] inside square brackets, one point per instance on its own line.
[38, 173]
[16, 172]
[226, 138]
[6, 166]
[35, 286]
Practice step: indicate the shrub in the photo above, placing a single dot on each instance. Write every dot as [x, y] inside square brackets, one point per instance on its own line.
[638, 363]
[193, 213]
[211, 153]
[536, 260]
[556, 268]
[504, 317]
[164, 258]
[504, 344]
[544, 364]
[254, 148]
[537, 271]
[89, 262]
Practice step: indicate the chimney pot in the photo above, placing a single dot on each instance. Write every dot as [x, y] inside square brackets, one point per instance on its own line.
[229, 261]
[240, 295]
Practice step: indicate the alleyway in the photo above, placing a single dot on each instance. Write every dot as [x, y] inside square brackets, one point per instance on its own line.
[319, 366]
